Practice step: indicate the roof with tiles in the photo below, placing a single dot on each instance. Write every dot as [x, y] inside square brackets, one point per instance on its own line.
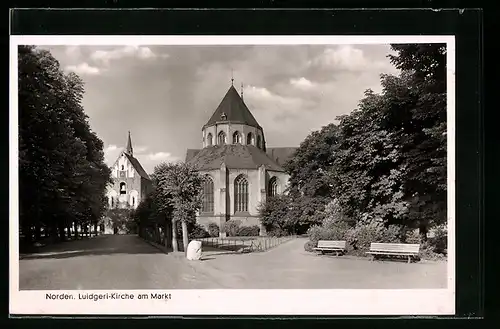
[232, 109]
[235, 156]
[137, 166]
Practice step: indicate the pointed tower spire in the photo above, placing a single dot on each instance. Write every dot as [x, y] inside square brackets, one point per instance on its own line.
[129, 149]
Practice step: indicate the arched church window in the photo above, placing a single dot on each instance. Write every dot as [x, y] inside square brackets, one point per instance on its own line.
[272, 189]
[221, 138]
[123, 188]
[122, 167]
[209, 139]
[112, 202]
[208, 195]
[259, 142]
[250, 139]
[133, 201]
[236, 138]
[241, 194]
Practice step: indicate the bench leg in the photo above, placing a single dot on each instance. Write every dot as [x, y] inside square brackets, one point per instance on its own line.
[409, 259]
[372, 258]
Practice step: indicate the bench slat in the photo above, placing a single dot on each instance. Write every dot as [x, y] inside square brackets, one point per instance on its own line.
[331, 244]
[395, 247]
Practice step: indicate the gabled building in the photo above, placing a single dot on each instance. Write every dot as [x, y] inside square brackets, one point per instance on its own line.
[240, 170]
[131, 183]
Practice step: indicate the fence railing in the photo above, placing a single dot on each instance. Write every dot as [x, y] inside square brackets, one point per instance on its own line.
[257, 244]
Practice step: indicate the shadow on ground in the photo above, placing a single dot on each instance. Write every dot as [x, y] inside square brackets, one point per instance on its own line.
[96, 246]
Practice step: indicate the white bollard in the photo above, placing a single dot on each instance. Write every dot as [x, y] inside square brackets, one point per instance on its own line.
[194, 250]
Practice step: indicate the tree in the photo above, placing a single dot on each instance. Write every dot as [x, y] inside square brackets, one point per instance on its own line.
[391, 160]
[62, 174]
[180, 187]
[121, 219]
[151, 214]
[385, 162]
[274, 215]
[311, 186]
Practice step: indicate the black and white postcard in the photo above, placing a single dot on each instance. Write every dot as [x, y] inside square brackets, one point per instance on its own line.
[230, 175]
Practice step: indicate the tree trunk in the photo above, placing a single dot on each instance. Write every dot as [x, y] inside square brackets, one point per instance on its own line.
[175, 246]
[27, 232]
[95, 228]
[75, 225]
[185, 239]
[62, 233]
[38, 230]
[423, 232]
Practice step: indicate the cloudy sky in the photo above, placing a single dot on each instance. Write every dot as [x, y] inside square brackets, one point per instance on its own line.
[163, 95]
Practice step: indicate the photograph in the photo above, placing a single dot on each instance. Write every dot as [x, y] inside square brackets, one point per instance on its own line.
[225, 165]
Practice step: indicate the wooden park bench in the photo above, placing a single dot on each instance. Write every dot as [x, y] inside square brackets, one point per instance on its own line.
[394, 249]
[331, 246]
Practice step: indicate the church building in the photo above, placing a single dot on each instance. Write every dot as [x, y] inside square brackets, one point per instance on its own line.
[131, 183]
[240, 170]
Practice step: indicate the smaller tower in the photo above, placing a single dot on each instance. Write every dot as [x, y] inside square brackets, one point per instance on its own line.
[129, 149]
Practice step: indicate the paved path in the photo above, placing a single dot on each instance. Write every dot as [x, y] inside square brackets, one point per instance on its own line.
[127, 262]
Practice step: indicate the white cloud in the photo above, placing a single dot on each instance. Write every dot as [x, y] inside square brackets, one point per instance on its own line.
[110, 148]
[140, 149]
[110, 154]
[83, 69]
[301, 83]
[73, 51]
[346, 57]
[105, 56]
[161, 156]
[258, 92]
[272, 109]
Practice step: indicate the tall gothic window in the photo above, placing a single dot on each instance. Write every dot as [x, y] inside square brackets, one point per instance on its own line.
[272, 189]
[250, 139]
[209, 139]
[208, 195]
[240, 194]
[236, 138]
[259, 141]
[221, 138]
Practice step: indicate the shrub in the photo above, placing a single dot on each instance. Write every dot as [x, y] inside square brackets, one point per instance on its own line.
[411, 236]
[231, 227]
[439, 242]
[248, 231]
[198, 232]
[213, 230]
[275, 215]
[334, 213]
[278, 232]
[309, 245]
[331, 231]
[427, 251]
[361, 236]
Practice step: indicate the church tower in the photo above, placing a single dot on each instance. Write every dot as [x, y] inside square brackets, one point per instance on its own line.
[131, 183]
[233, 123]
[239, 171]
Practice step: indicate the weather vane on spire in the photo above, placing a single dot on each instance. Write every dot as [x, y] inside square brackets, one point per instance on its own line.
[242, 90]
[232, 77]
